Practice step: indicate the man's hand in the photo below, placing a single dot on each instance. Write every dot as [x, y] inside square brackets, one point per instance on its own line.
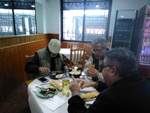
[85, 83]
[44, 69]
[92, 73]
[75, 86]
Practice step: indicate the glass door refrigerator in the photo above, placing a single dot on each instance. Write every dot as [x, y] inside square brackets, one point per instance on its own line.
[143, 40]
[124, 28]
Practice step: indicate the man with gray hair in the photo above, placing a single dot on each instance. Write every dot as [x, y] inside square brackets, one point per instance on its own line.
[127, 91]
[99, 47]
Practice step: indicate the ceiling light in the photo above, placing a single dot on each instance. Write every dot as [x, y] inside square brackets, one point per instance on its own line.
[32, 5]
[5, 4]
[97, 6]
[122, 16]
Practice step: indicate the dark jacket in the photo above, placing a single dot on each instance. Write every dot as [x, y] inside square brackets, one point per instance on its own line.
[128, 95]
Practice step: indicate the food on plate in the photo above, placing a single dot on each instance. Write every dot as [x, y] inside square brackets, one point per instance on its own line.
[52, 92]
[59, 76]
[90, 96]
[91, 65]
[48, 90]
[75, 72]
[57, 85]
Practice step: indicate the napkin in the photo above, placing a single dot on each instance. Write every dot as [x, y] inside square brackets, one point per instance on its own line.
[34, 88]
[90, 102]
[87, 89]
[54, 103]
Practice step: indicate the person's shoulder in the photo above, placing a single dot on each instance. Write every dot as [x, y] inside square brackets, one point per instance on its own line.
[43, 49]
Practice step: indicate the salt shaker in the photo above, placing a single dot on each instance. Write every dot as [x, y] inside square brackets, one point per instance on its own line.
[66, 70]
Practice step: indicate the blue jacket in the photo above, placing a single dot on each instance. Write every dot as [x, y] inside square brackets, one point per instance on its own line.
[128, 95]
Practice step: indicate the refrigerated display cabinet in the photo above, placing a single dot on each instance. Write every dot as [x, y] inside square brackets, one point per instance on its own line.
[143, 40]
[124, 28]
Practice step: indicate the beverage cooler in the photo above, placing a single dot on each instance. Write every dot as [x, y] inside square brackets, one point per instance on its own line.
[124, 28]
[143, 40]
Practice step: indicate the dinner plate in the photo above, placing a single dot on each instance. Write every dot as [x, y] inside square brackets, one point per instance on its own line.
[52, 75]
[38, 92]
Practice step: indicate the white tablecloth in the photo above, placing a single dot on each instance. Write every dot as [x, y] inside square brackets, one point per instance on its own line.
[66, 52]
[36, 103]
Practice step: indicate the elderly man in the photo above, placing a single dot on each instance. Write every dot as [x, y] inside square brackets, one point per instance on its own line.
[46, 60]
[127, 92]
[99, 47]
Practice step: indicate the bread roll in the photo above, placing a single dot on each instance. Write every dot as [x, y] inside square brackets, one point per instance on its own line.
[90, 96]
[91, 65]
[55, 84]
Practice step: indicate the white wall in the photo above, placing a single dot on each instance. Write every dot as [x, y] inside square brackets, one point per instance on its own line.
[51, 13]
[41, 16]
[53, 16]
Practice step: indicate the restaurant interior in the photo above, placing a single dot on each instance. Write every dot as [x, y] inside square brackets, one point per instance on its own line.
[15, 48]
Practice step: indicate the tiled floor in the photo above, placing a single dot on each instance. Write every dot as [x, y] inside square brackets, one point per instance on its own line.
[17, 102]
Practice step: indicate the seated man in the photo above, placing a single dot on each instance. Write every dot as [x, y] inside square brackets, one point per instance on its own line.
[46, 60]
[127, 92]
[99, 47]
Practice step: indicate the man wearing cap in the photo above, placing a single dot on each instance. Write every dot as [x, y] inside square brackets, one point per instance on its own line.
[46, 60]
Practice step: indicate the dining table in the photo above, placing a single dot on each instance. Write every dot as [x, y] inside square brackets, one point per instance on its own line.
[57, 104]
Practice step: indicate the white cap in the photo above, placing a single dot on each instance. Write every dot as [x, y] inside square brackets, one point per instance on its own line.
[54, 45]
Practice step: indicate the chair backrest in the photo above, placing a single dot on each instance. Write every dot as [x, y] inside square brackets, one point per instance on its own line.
[88, 51]
[72, 45]
[77, 56]
[27, 58]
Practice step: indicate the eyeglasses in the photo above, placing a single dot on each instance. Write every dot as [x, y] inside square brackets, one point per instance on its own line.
[97, 50]
[102, 66]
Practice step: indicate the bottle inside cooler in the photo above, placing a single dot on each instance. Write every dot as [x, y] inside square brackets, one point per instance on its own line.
[145, 52]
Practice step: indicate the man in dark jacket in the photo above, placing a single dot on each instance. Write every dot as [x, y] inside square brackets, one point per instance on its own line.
[46, 60]
[127, 92]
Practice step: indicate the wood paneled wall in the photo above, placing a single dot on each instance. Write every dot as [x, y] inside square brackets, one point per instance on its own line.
[14, 40]
[12, 59]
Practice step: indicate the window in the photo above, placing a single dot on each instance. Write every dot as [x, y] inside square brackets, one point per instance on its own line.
[85, 20]
[17, 17]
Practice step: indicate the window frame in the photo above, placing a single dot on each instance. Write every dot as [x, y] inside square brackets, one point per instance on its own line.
[108, 21]
[12, 7]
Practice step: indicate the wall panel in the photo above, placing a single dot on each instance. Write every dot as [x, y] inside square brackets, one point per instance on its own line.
[12, 61]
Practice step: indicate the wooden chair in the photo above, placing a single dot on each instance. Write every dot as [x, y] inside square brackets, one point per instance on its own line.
[88, 51]
[77, 58]
[29, 76]
[72, 45]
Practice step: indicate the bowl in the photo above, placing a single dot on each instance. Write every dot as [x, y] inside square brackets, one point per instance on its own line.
[76, 73]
